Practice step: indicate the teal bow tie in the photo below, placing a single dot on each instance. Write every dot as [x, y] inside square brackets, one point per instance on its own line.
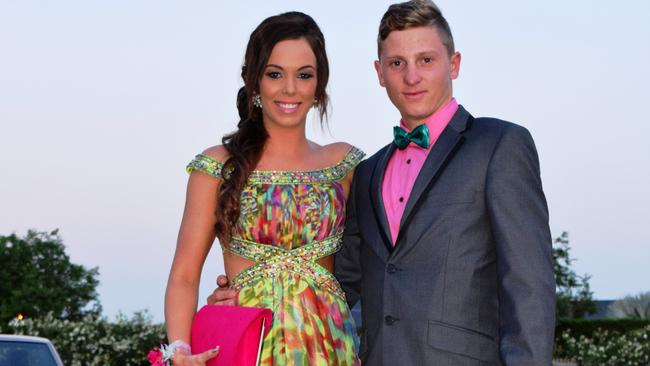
[419, 136]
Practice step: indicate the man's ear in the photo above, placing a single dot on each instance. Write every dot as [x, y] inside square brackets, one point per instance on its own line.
[379, 74]
[455, 65]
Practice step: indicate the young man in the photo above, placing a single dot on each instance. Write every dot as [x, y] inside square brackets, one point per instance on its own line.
[447, 243]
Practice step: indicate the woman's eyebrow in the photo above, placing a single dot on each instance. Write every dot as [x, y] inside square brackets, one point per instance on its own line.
[308, 66]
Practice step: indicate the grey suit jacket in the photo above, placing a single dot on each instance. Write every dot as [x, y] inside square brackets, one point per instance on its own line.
[470, 278]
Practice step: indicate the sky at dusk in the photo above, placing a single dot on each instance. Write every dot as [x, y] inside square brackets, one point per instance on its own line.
[103, 103]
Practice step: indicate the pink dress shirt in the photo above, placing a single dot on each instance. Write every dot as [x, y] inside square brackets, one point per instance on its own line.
[404, 166]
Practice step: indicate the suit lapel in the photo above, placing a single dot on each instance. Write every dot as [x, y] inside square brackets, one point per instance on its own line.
[378, 201]
[443, 149]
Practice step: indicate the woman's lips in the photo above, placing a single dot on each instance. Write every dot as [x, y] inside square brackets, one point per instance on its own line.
[287, 107]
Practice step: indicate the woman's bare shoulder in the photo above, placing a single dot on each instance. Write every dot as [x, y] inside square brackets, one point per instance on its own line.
[336, 151]
[217, 152]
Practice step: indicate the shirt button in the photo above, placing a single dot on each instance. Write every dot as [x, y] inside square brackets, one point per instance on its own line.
[391, 268]
[401, 199]
[390, 320]
[408, 161]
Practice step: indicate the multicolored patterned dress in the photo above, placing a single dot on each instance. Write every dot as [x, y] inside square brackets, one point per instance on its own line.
[289, 220]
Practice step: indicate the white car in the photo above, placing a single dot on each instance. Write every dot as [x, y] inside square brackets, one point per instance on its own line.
[16, 350]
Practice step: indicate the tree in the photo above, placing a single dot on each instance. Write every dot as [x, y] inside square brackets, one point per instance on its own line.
[574, 296]
[37, 277]
[635, 307]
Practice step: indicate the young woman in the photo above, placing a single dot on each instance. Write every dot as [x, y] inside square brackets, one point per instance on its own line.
[276, 202]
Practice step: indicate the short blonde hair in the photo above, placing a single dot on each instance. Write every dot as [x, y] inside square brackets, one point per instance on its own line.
[411, 14]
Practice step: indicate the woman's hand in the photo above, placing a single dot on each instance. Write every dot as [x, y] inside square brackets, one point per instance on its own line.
[183, 359]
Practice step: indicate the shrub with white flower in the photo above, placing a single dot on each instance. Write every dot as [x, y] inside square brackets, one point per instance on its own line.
[94, 340]
[606, 348]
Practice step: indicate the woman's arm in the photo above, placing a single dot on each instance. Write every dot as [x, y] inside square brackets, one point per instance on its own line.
[195, 238]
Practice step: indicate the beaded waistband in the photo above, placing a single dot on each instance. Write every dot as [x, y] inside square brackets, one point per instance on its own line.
[271, 261]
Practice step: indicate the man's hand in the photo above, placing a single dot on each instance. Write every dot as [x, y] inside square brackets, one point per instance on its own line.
[222, 295]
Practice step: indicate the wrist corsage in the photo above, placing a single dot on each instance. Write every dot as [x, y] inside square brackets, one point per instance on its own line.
[162, 356]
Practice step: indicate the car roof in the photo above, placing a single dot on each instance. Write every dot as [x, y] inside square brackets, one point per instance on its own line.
[32, 339]
[22, 338]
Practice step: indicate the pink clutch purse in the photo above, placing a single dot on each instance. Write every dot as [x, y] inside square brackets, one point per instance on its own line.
[237, 330]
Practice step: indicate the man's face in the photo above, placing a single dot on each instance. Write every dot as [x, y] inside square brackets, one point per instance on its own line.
[417, 71]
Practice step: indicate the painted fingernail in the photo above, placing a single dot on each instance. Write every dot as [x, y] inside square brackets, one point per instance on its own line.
[215, 349]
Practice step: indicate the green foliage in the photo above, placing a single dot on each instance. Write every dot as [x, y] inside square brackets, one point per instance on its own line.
[636, 307]
[574, 296]
[60, 302]
[37, 277]
[94, 340]
[605, 347]
[584, 327]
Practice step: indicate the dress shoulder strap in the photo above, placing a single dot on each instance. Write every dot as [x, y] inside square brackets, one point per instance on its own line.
[206, 165]
[351, 159]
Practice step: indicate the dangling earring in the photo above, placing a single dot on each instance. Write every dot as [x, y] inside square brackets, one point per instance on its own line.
[257, 101]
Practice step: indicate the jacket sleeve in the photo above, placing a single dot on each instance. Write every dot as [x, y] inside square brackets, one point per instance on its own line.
[347, 263]
[519, 218]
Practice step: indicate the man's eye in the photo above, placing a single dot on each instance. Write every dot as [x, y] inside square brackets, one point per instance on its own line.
[273, 75]
[427, 60]
[305, 75]
[397, 64]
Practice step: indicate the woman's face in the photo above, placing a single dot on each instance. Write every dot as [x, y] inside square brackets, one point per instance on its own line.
[288, 84]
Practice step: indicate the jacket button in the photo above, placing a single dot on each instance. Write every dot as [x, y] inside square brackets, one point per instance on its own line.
[390, 320]
[391, 268]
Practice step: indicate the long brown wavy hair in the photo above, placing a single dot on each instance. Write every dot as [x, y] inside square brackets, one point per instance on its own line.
[245, 145]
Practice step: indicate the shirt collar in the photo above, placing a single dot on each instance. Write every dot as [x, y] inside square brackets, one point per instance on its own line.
[441, 116]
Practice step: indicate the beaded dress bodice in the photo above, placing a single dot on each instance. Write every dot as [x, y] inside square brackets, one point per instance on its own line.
[288, 220]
